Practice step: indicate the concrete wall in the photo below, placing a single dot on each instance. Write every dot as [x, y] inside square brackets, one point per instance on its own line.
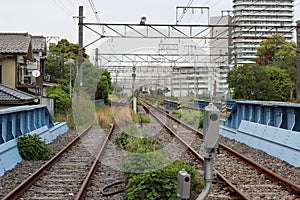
[49, 103]
[20, 120]
[9, 153]
[9, 72]
[273, 127]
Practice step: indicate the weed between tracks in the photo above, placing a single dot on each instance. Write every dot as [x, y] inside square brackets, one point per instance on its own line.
[104, 116]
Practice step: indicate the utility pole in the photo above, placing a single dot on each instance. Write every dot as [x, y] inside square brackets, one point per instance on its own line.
[298, 62]
[80, 45]
[96, 57]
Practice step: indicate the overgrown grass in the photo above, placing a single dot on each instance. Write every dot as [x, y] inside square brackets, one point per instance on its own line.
[192, 117]
[104, 116]
[138, 118]
[65, 117]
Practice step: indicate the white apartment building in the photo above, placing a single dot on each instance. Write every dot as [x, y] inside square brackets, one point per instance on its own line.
[220, 54]
[253, 21]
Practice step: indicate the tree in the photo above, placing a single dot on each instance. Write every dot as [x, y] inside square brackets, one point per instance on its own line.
[104, 86]
[57, 56]
[62, 101]
[254, 82]
[250, 82]
[276, 51]
[281, 82]
[96, 81]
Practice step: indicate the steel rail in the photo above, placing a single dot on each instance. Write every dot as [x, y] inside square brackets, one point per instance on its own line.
[266, 171]
[232, 187]
[82, 191]
[27, 183]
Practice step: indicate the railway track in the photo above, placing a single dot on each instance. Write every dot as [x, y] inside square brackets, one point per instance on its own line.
[67, 174]
[244, 178]
[83, 174]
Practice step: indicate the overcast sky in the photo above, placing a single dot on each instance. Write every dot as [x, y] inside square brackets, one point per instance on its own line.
[55, 17]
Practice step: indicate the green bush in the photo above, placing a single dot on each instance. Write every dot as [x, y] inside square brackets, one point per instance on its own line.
[138, 118]
[201, 119]
[31, 147]
[148, 173]
[62, 101]
[145, 119]
[161, 184]
[192, 117]
[177, 113]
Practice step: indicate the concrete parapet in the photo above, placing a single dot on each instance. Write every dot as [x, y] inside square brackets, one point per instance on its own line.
[273, 127]
[20, 120]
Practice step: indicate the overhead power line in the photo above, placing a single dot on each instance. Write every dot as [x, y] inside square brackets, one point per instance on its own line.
[184, 11]
[63, 7]
[94, 10]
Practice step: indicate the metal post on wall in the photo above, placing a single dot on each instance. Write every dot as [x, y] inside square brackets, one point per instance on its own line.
[298, 62]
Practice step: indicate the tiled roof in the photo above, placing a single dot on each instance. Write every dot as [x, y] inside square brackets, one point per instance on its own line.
[14, 42]
[13, 96]
[39, 44]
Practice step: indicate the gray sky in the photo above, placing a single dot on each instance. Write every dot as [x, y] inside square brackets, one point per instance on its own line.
[55, 17]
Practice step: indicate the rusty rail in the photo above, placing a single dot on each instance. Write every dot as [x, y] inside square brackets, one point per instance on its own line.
[271, 174]
[27, 183]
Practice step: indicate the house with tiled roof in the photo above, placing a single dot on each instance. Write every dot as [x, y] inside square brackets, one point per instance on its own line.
[22, 59]
[10, 97]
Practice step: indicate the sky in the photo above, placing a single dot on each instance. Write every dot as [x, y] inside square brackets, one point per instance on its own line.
[55, 18]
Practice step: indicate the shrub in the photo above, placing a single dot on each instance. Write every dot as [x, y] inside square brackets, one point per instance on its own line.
[31, 147]
[161, 184]
[148, 173]
[201, 120]
[62, 101]
[146, 119]
[177, 113]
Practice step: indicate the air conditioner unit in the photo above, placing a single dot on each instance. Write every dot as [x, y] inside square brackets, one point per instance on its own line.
[27, 80]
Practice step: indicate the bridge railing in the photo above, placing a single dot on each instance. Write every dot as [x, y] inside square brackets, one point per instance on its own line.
[20, 120]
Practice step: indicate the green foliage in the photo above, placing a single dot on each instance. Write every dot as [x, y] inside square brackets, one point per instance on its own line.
[160, 102]
[191, 117]
[146, 119]
[96, 82]
[201, 119]
[149, 174]
[62, 101]
[250, 82]
[65, 117]
[281, 83]
[104, 86]
[255, 82]
[138, 118]
[31, 147]
[275, 48]
[275, 51]
[132, 140]
[56, 65]
[53, 67]
[161, 184]
[83, 110]
[177, 113]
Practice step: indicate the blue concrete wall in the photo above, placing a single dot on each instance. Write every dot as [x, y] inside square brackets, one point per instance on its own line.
[202, 104]
[20, 120]
[170, 104]
[273, 127]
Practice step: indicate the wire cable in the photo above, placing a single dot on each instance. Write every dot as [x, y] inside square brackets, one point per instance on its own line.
[184, 11]
[94, 10]
[63, 7]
